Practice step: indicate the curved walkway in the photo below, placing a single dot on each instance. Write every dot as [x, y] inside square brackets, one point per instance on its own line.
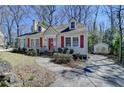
[104, 73]
[65, 77]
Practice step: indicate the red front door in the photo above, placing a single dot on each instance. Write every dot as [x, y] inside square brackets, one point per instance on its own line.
[50, 43]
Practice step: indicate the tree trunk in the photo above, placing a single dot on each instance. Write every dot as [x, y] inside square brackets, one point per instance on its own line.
[10, 37]
[18, 33]
[120, 31]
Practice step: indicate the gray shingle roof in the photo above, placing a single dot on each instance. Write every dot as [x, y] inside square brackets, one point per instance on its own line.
[58, 29]
[65, 28]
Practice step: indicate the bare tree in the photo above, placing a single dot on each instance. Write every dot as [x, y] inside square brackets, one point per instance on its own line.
[110, 12]
[80, 13]
[120, 18]
[8, 22]
[51, 11]
[40, 11]
[1, 14]
[45, 13]
[18, 13]
[95, 17]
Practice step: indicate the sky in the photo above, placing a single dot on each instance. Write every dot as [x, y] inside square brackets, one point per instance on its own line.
[28, 21]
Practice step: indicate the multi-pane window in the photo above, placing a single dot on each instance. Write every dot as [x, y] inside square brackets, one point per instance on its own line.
[72, 25]
[68, 41]
[37, 43]
[75, 41]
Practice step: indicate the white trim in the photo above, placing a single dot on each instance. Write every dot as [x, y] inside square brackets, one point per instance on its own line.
[72, 41]
[74, 24]
[65, 41]
[78, 41]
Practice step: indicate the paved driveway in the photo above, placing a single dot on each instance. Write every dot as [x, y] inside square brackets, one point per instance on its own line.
[98, 71]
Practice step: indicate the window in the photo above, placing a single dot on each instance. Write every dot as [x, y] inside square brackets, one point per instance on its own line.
[39, 28]
[37, 43]
[75, 41]
[72, 25]
[68, 41]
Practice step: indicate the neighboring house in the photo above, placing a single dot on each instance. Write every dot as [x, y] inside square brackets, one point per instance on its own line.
[72, 36]
[101, 48]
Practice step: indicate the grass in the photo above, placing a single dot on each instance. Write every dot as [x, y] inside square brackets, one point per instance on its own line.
[28, 71]
[17, 59]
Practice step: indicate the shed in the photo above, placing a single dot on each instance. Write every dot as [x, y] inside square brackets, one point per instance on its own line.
[101, 48]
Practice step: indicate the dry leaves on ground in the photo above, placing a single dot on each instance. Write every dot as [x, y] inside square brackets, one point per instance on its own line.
[34, 75]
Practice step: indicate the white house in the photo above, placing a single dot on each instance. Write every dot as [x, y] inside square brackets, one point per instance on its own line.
[72, 35]
[33, 40]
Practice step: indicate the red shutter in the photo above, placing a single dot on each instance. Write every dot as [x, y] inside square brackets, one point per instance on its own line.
[28, 42]
[62, 41]
[41, 42]
[81, 41]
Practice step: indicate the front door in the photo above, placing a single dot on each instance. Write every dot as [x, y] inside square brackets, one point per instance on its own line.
[50, 44]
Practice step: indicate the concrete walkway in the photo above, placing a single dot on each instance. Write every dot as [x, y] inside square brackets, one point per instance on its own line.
[103, 73]
[65, 77]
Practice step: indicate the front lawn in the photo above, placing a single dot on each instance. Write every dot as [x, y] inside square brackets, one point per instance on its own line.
[17, 59]
[30, 74]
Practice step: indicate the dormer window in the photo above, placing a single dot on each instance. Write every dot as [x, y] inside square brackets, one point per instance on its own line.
[72, 25]
[39, 29]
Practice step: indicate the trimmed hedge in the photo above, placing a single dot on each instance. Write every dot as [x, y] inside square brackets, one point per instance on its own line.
[60, 50]
[65, 50]
[62, 58]
[20, 50]
[79, 56]
[71, 51]
[31, 52]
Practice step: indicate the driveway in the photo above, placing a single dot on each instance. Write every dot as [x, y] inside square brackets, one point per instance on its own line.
[98, 71]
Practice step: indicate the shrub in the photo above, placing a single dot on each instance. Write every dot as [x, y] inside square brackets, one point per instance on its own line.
[65, 50]
[6, 46]
[41, 53]
[31, 52]
[60, 50]
[75, 56]
[62, 58]
[19, 49]
[38, 52]
[24, 50]
[71, 51]
[15, 50]
[80, 57]
[45, 52]
[85, 57]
